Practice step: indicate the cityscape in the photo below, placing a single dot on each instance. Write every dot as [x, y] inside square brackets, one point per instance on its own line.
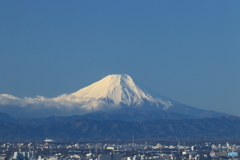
[119, 80]
[119, 150]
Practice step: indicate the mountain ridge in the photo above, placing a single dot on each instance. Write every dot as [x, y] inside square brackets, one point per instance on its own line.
[83, 129]
[123, 114]
[112, 92]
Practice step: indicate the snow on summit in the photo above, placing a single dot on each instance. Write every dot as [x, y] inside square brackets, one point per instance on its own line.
[113, 91]
[116, 89]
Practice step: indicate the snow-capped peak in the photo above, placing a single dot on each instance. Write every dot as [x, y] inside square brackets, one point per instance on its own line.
[110, 93]
[115, 89]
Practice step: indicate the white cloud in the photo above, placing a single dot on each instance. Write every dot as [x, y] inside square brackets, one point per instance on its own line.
[40, 106]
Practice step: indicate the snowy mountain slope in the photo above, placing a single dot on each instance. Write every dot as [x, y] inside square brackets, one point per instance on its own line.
[119, 89]
[116, 89]
[108, 94]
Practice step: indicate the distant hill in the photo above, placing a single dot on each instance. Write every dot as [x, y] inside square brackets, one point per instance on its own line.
[185, 129]
[123, 114]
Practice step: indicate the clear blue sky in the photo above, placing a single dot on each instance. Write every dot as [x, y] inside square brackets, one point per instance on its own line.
[187, 50]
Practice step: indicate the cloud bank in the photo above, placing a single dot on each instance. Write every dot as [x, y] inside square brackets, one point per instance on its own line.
[40, 106]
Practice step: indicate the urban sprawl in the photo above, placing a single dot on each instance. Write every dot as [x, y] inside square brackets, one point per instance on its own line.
[118, 150]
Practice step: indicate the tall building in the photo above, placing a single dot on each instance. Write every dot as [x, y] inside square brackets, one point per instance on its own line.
[110, 156]
[24, 155]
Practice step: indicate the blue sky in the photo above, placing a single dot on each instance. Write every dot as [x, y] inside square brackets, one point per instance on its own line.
[188, 51]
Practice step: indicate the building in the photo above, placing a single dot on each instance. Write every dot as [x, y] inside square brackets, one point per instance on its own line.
[110, 156]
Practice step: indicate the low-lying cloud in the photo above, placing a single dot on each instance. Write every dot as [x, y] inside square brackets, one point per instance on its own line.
[40, 106]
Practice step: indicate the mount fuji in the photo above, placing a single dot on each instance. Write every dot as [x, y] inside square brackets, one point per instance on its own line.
[120, 90]
[113, 95]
